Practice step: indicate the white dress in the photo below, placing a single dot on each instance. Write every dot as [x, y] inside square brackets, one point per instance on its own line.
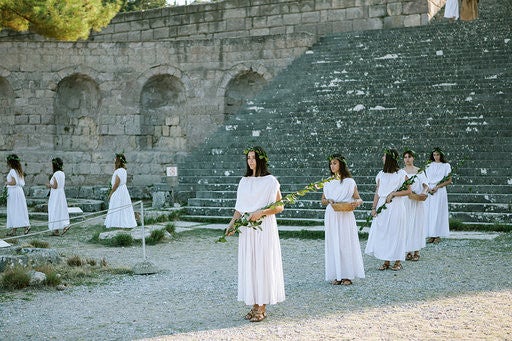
[451, 9]
[437, 203]
[17, 212]
[416, 216]
[58, 215]
[260, 268]
[120, 210]
[386, 240]
[343, 258]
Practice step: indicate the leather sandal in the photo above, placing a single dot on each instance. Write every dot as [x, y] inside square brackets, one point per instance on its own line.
[336, 282]
[258, 316]
[250, 314]
[346, 282]
[409, 256]
[384, 266]
[416, 257]
[396, 267]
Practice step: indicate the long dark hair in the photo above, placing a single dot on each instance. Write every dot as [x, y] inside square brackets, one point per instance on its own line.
[120, 161]
[391, 162]
[14, 162]
[261, 161]
[344, 171]
[441, 153]
[57, 164]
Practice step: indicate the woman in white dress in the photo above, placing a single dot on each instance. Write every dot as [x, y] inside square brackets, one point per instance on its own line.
[437, 201]
[451, 10]
[58, 215]
[415, 208]
[260, 269]
[17, 212]
[343, 258]
[386, 240]
[120, 210]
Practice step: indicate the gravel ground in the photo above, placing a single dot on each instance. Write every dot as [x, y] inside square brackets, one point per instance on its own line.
[460, 289]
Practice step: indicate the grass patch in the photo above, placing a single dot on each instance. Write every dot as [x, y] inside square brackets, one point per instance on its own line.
[16, 278]
[53, 278]
[122, 239]
[457, 225]
[39, 244]
[155, 237]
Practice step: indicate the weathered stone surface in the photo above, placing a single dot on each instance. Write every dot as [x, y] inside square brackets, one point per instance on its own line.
[36, 278]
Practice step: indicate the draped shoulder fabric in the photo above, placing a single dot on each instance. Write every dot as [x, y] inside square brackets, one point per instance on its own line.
[260, 269]
[120, 210]
[17, 211]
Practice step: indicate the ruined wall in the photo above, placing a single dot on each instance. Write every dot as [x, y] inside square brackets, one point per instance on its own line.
[155, 84]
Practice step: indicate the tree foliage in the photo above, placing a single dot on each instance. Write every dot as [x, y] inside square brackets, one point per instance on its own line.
[67, 20]
[142, 5]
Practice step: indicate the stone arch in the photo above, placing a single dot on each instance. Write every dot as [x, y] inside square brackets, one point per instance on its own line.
[7, 110]
[241, 83]
[76, 106]
[161, 100]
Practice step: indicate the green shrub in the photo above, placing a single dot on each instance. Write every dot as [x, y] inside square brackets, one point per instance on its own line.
[75, 261]
[122, 239]
[456, 224]
[155, 236]
[171, 228]
[52, 277]
[16, 278]
[39, 244]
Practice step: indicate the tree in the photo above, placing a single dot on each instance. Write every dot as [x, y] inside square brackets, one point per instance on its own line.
[142, 5]
[67, 20]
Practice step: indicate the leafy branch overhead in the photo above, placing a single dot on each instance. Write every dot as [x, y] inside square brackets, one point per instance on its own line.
[68, 20]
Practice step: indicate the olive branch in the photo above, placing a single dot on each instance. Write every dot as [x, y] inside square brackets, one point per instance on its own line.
[289, 199]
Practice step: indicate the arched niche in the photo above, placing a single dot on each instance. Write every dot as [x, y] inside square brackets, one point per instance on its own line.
[161, 99]
[76, 107]
[6, 115]
[244, 86]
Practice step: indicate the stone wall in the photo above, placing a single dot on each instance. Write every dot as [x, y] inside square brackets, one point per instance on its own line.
[155, 84]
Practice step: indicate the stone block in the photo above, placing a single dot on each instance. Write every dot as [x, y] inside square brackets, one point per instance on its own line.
[393, 22]
[412, 20]
[377, 11]
[415, 7]
[394, 8]
[160, 199]
[310, 17]
[354, 13]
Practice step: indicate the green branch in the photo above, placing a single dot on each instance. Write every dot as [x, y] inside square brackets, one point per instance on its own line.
[287, 200]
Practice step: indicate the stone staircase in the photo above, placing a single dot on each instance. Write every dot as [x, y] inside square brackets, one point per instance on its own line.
[445, 84]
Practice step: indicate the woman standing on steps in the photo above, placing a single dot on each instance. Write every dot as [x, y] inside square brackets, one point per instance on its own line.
[120, 210]
[260, 269]
[58, 215]
[451, 10]
[17, 212]
[343, 258]
[386, 240]
[415, 208]
[437, 201]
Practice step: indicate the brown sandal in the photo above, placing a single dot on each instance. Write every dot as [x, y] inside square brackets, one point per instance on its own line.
[409, 256]
[11, 234]
[258, 316]
[384, 266]
[416, 257]
[346, 282]
[336, 282]
[251, 313]
[396, 267]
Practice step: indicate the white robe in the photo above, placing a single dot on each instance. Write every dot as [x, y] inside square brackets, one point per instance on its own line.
[386, 240]
[120, 210]
[343, 258]
[416, 216]
[451, 9]
[17, 212]
[260, 269]
[437, 203]
[58, 216]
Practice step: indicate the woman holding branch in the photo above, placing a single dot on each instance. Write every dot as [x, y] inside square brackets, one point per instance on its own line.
[343, 258]
[386, 240]
[438, 174]
[260, 269]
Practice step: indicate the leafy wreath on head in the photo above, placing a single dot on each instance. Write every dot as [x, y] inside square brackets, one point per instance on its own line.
[121, 157]
[13, 157]
[390, 153]
[438, 150]
[262, 155]
[338, 157]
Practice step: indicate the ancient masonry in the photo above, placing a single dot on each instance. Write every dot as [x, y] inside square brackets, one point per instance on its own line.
[155, 84]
